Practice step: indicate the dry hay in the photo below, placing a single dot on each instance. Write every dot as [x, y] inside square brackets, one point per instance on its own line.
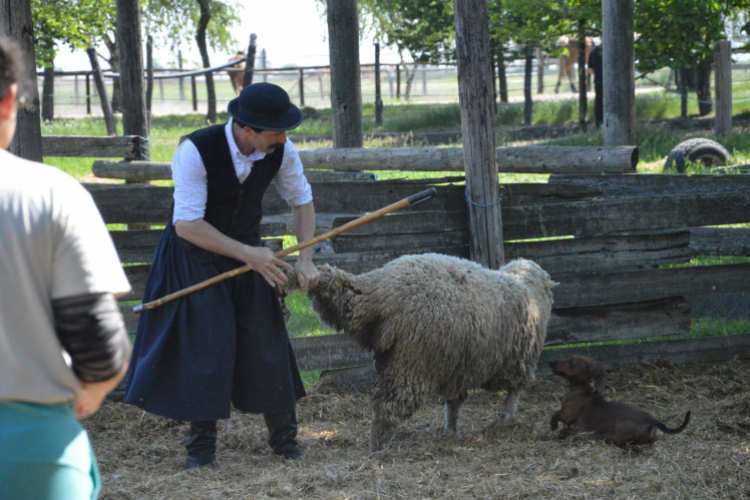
[142, 456]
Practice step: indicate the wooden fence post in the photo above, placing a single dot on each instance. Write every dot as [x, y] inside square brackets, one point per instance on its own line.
[301, 87]
[247, 79]
[619, 72]
[528, 103]
[263, 58]
[195, 93]
[723, 75]
[398, 82]
[683, 93]
[378, 97]
[181, 81]
[109, 117]
[129, 42]
[478, 130]
[346, 85]
[583, 103]
[540, 62]
[149, 77]
[16, 23]
[88, 93]
[424, 80]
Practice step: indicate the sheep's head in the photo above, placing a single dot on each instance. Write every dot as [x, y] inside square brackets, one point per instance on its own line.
[530, 273]
[330, 298]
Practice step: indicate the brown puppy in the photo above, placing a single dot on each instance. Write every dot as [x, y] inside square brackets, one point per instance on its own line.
[584, 409]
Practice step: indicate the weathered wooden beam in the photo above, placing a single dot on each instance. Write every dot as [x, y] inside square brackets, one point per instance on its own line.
[127, 147]
[526, 159]
[619, 72]
[657, 185]
[140, 245]
[562, 256]
[346, 85]
[129, 46]
[585, 218]
[152, 204]
[720, 241]
[151, 171]
[723, 77]
[653, 284]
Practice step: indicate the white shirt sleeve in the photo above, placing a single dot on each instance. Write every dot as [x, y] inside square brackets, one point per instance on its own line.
[290, 181]
[190, 183]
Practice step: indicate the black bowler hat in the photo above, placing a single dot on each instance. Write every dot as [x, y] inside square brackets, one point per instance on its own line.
[265, 106]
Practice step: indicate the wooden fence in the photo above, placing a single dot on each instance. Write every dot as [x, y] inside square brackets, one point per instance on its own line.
[605, 238]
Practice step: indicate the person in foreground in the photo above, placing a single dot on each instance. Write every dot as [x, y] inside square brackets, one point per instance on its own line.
[63, 344]
[227, 344]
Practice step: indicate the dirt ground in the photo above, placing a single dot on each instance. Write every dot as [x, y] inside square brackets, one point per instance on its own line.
[142, 456]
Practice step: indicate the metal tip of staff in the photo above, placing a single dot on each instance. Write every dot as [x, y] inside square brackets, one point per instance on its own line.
[138, 309]
[422, 196]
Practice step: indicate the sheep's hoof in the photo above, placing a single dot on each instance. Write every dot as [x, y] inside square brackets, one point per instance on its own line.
[503, 417]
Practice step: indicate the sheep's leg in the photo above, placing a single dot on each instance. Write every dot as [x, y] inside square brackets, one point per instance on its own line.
[452, 413]
[510, 407]
[381, 427]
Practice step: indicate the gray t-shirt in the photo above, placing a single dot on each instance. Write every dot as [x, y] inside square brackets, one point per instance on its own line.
[53, 244]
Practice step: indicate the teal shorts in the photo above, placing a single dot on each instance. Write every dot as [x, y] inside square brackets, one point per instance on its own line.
[45, 454]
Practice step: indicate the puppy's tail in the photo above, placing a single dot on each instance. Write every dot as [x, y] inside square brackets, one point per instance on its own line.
[681, 428]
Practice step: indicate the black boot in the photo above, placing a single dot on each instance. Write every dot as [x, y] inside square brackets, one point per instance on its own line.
[201, 445]
[282, 429]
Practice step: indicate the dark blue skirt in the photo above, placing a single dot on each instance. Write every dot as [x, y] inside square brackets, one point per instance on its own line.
[224, 345]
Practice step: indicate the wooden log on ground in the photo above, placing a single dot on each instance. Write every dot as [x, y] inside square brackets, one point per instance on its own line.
[657, 185]
[720, 241]
[127, 147]
[140, 245]
[525, 159]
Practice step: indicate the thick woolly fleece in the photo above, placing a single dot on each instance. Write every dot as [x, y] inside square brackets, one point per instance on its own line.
[440, 325]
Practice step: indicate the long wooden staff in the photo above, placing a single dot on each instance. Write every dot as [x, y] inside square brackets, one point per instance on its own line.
[411, 200]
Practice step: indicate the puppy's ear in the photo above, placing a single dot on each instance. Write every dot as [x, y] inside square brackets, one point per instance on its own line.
[596, 374]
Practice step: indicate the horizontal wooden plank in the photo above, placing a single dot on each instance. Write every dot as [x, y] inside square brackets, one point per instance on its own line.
[127, 147]
[152, 204]
[565, 256]
[605, 216]
[140, 245]
[695, 350]
[151, 171]
[650, 184]
[720, 241]
[639, 320]
[652, 284]
[524, 159]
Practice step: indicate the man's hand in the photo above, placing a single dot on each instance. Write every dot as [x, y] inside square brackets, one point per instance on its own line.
[92, 394]
[307, 274]
[262, 260]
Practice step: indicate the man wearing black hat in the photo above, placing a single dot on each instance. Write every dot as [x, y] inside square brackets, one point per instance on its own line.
[226, 344]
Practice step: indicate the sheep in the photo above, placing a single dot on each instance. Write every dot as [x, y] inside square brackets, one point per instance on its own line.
[441, 325]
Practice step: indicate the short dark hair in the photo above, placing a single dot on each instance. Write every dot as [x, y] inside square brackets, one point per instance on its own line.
[11, 67]
[243, 125]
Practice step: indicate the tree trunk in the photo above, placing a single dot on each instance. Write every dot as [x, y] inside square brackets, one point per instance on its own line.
[527, 102]
[16, 23]
[130, 53]
[703, 85]
[149, 77]
[200, 38]
[582, 87]
[478, 131]
[346, 81]
[501, 73]
[410, 75]
[540, 60]
[618, 61]
[683, 92]
[114, 64]
[48, 93]
[109, 119]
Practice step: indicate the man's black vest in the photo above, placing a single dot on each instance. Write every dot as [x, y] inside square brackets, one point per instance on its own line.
[232, 207]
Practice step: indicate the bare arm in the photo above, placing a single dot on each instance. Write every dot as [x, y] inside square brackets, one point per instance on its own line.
[260, 259]
[303, 218]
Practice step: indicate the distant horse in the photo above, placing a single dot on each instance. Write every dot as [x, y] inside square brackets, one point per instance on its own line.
[236, 78]
[566, 62]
